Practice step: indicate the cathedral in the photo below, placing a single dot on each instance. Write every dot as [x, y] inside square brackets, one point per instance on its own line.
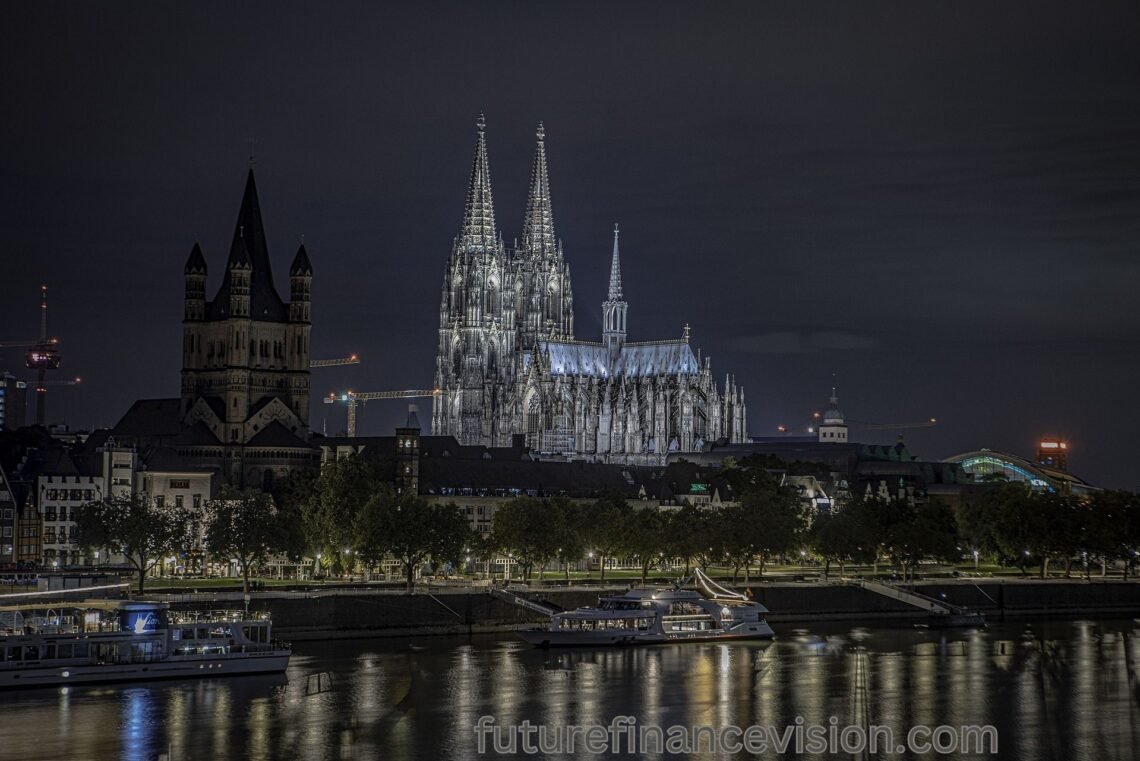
[508, 362]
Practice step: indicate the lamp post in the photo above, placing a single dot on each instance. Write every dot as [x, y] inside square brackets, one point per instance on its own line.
[975, 561]
[589, 563]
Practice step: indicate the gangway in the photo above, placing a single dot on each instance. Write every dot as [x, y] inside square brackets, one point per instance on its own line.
[941, 612]
[516, 599]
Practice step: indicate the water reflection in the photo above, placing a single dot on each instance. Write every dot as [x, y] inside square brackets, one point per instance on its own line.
[1062, 690]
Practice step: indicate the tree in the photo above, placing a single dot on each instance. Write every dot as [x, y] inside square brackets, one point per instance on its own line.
[412, 531]
[840, 537]
[569, 524]
[646, 537]
[608, 521]
[881, 519]
[335, 504]
[136, 528]
[523, 531]
[246, 527]
[925, 531]
[695, 535]
[768, 522]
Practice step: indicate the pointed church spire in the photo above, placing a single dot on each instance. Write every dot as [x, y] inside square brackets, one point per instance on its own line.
[478, 232]
[614, 308]
[615, 270]
[249, 250]
[538, 227]
[250, 232]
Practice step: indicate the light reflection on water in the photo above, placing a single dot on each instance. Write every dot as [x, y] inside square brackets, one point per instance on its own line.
[1062, 690]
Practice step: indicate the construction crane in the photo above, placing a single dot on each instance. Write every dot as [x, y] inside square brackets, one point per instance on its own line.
[349, 360]
[41, 357]
[64, 382]
[352, 398]
[812, 422]
[892, 426]
[22, 344]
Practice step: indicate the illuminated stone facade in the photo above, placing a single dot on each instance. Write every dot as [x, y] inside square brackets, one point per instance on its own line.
[508, 362]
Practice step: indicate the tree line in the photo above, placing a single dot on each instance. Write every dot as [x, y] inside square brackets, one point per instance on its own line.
[351, 515]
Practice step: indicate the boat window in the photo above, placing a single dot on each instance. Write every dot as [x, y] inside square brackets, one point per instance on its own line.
[203, 633]
[14, 654]
[81, 650]
[65, 651]
[49, 651]
[31, 653]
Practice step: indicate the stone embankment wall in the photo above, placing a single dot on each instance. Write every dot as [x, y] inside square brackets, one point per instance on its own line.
[364, 613]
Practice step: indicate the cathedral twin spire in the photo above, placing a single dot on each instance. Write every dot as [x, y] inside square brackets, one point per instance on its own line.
[479, 233]
[538, 226]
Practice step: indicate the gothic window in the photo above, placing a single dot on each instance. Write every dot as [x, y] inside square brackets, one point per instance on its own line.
[267, 481]
[532, 416]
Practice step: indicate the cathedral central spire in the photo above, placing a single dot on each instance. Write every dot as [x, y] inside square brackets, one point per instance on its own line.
[614, 308]
[538, 227]
[615, 270]
[478, 233]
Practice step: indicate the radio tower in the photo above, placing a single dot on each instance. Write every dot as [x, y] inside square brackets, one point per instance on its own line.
[42, 357]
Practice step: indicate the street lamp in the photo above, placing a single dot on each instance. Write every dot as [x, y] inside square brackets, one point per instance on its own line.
[589, 563]
[975, 561]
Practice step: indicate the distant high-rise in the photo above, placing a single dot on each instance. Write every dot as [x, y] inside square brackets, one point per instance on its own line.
[508, 362]
[1053, 453]
[13, 402]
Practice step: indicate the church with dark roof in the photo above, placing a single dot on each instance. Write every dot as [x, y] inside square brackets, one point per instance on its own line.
[244, 405]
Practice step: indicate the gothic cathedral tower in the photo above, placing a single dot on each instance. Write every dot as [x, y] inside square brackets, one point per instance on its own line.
[476, 317]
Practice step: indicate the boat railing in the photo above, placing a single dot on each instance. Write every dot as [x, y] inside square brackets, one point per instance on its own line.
[215, 616]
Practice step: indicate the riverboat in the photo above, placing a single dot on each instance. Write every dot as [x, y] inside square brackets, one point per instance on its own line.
[653, 616]
[49, 644]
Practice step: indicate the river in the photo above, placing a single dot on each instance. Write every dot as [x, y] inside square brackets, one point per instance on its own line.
[1052, 690]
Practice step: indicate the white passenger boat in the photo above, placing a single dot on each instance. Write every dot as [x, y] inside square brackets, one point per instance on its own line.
[654, 616]
[117, 641]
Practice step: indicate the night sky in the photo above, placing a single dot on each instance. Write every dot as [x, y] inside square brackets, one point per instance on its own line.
[938, 203]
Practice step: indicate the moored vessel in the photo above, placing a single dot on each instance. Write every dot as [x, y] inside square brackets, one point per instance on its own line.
[649, 616]
[114, 641]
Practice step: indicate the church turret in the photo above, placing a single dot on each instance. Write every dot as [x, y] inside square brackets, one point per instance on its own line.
[194, 308]
[195, 272]
[833, 427]
[239, 270]
[614, 307]
[300, 283]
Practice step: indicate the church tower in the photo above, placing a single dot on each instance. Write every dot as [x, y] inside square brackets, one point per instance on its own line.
[476, 319]
[833, 427]
[546, 301]
[245, 359]
[614, 308]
